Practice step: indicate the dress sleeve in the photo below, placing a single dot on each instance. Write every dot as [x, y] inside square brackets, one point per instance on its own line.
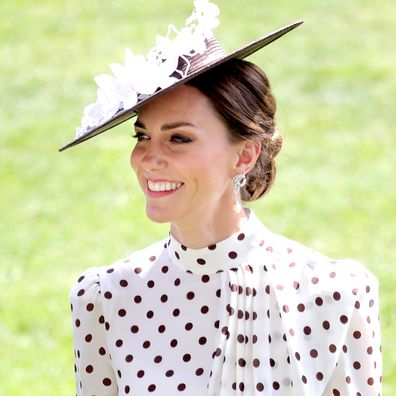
[94, 373]
[359, 367]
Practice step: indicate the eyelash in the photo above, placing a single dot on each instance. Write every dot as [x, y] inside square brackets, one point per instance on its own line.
[139, 136]
[181, 139]
[178, 139]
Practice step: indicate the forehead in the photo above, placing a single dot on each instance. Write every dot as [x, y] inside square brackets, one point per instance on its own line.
[183, 101]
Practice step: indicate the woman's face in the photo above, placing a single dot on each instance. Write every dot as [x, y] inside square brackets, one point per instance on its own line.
[183, 158]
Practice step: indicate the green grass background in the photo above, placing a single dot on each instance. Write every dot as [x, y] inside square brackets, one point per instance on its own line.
[335, 83]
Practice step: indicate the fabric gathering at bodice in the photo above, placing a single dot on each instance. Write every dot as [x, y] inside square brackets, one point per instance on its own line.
[254, 314]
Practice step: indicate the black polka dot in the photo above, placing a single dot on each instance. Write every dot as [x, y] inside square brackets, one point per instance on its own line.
[123, 283]
[276, 385]
[186, 357]
[344, 319]
[188, 326]
[190, 295]
[232, 255]
[134, 329]
[129, 358]
[332, 348]
[146, 344]
[199, 372]
[337, 296]
[307, 330]
[164, 298]
[176, 312]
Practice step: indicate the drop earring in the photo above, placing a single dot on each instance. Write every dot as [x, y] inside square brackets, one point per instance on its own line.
[238, 181]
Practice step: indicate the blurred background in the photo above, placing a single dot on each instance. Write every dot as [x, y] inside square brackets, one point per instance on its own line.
[334, 79]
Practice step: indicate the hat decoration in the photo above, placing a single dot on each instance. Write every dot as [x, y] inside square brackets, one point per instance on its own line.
[177, 57]
[143, 75]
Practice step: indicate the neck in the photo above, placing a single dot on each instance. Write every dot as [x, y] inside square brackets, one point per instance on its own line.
[209, 229]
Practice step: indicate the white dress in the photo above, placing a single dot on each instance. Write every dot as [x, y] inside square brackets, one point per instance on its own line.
[255, 314]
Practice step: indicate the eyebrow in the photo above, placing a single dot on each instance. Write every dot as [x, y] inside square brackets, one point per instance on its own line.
[167, 127]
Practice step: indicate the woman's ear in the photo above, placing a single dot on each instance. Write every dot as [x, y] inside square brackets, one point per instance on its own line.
[248, 152]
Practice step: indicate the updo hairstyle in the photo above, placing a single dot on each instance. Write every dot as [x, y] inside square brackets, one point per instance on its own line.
[242, 97]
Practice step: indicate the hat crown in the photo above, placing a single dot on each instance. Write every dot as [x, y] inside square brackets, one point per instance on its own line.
[213, 53]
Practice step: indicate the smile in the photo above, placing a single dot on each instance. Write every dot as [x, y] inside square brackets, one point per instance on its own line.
[163, 186]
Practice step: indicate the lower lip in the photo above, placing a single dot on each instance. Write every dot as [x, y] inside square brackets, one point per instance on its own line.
[160, 194]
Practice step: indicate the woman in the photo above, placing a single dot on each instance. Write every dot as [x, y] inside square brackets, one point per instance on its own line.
[222, 306]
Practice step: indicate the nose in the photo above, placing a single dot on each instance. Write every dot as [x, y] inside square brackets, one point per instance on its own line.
[153, 158]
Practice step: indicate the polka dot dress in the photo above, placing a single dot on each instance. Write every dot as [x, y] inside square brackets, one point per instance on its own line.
[255, 314]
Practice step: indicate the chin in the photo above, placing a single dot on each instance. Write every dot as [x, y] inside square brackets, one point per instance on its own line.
[159, 216]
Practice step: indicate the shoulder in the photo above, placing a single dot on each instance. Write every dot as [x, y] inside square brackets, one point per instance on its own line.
[95, 279]
[329, 310]
[295, 266]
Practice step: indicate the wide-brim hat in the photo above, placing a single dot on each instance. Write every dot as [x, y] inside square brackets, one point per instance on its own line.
[114, 92]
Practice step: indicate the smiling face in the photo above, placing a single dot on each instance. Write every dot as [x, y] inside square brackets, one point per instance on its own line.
[184, 159]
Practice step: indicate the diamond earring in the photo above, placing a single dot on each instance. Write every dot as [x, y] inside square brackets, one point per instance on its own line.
[238, 181]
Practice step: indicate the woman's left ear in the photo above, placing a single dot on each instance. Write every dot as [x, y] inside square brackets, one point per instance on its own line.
[248, 152]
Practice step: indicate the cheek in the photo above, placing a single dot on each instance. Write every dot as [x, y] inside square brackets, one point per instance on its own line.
[134, 159]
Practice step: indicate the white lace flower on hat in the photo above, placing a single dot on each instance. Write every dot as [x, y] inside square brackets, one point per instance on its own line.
[141, 76]
[205, 14]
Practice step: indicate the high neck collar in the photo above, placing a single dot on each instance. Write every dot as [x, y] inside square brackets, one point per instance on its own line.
[226, 254]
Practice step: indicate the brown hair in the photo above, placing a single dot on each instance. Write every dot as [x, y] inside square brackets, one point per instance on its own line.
[242, 96]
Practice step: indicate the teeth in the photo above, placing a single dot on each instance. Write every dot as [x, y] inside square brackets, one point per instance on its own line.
[163, 186]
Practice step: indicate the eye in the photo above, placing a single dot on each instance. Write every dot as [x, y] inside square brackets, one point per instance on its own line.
[140, 136]
[180, 139]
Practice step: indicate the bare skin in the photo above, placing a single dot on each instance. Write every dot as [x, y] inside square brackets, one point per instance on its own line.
[183, 147]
